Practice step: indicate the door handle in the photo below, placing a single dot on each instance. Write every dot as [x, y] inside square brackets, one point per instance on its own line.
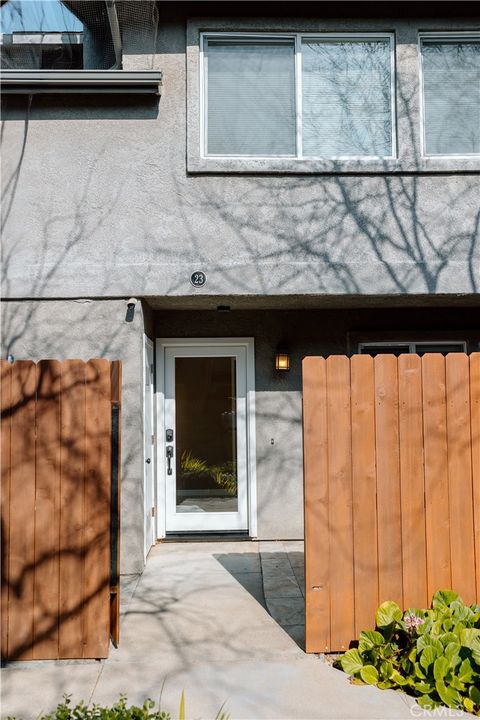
[148, 461]
[169, 458]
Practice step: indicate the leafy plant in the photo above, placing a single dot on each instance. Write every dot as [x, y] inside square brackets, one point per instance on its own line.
[432, 654]
[118, 711]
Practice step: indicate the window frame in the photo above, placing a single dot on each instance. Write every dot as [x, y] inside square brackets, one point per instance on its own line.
[451, 37]
[410, 345]
[297, 38]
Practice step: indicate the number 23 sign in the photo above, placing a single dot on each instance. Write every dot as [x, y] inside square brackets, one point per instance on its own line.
[198, 279]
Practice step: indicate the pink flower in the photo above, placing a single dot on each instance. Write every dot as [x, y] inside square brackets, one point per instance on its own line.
[412, 621]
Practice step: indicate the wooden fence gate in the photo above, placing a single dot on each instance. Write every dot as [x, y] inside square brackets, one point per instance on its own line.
[392, 487]
[60, 478]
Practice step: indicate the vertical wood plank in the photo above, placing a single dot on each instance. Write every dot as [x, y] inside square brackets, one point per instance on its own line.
[364, 483]
[460, 476]
[47, 511]
[5, 432]
[72, 576]
[390, 574]
[97, 510]
[317, 545]
[22, 511]
[340, 504]
[412, 481]
[437, 518]
[475, 424]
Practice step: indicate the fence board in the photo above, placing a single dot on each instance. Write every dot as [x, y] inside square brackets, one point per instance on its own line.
[364, 483]
[390, 578]
[47, 508]
[340, 504]
[437, 516]
[22, 502]
[97, 510]
[317, 563]
[475, 423]
[72, 519]
[6, 390]
[460, 475]
[412, 481]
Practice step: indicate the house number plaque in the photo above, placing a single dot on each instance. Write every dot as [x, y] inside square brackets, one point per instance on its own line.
[198, 279]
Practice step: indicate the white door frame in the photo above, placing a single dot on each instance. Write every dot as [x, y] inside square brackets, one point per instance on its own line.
[148, 542]
[249, 345]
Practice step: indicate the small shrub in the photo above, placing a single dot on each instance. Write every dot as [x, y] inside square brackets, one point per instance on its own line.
[118, 711]
[431, 654]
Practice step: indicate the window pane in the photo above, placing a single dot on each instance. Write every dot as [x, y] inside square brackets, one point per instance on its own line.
[423, 348]
[346, 89]
[206, 434]
[48, 35]
[250, 98]
[374, 349]
[451, 79]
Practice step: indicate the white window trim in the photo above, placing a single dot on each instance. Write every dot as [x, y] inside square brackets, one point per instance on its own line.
[297, 40]
[453, 37]
[412, 346]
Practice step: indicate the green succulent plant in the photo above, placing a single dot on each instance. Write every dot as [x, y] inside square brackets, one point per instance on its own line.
[432, 654]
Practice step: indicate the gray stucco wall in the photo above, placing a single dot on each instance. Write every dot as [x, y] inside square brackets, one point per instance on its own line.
[86, 329]
[98, 199]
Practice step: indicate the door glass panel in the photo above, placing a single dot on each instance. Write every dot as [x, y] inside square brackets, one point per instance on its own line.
[206, 434]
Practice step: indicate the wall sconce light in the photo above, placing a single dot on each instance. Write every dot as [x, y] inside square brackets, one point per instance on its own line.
[282, 359]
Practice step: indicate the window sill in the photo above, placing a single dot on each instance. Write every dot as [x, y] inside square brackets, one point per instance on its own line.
[353, 166]
[80, 81]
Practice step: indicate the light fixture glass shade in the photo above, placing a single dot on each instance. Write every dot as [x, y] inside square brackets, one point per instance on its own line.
[282, 360]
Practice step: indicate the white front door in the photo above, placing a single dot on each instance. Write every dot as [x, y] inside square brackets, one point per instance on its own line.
[148, 441]
[205, 437]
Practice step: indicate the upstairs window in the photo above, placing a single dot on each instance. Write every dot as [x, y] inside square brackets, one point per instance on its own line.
[54, 35]
[451, 95]
[300, 96]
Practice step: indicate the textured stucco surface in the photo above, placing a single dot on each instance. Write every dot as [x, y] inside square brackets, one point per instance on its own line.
[98, 200]
[86, 329]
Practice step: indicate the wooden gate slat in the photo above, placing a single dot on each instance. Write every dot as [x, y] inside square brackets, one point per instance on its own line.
[72, 577]
[47, 509]
[437, 518]
[5, 430]
[22, 511]
[390, 574]
[364, 484]
[340, 506]
[317, 558]
[460, 476]
[412, 481]
[475, 424]
[97, 510]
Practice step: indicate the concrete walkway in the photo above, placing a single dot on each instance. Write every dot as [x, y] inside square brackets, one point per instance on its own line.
[197, 620]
